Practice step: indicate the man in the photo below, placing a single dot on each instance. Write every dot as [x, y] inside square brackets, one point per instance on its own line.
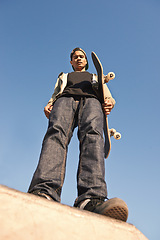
[75, 103]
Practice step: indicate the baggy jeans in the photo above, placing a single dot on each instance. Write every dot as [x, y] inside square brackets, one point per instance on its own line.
[68, 113]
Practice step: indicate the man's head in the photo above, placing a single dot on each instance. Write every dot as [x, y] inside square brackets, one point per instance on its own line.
[79, 59]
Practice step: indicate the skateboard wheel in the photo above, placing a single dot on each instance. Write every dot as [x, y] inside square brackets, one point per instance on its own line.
[117, 136]
[111, 75]
[112, 131]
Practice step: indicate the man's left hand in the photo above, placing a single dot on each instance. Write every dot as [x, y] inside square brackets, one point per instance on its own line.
[107, 106]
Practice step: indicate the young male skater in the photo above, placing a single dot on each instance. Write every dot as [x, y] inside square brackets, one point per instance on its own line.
[75, 103]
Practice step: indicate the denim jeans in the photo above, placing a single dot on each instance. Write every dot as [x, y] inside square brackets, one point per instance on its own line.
[68, 113]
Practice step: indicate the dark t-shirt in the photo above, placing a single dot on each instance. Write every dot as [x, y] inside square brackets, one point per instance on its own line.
[79, 85]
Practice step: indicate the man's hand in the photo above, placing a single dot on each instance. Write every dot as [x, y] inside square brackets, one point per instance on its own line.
[107, 106]
[47, 110]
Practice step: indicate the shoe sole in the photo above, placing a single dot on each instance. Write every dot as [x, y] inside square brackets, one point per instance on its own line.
[114, 208]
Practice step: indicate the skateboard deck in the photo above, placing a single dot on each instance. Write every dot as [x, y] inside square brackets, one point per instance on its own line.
[101, 84]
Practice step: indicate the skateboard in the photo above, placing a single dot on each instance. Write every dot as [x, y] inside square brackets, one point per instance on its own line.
[101, 83]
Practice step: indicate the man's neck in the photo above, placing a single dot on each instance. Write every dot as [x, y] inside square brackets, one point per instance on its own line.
[78, 70]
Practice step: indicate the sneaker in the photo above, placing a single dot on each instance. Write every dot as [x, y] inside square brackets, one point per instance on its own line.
[114, 208]
[42, 194]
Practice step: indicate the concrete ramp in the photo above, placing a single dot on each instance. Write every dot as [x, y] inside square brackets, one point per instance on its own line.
[27, 217]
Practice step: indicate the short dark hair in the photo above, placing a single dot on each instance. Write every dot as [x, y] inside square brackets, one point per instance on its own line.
[79, 49]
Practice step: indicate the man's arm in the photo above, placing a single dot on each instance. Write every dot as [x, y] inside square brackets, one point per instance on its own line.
[57, 90]
[109, 100]
[49, 106]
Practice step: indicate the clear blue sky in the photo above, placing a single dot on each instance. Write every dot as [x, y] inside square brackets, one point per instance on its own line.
[36, 38]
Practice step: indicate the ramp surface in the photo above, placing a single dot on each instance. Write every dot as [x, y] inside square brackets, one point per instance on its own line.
[27, 217]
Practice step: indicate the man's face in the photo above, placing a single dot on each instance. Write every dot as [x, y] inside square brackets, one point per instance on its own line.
[79, 61]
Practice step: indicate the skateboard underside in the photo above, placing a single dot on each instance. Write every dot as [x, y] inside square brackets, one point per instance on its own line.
[99, 70]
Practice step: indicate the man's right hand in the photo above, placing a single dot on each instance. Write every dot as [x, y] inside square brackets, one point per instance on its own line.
[47, 110]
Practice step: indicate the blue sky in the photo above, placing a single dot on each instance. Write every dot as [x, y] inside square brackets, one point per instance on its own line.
[36, 40]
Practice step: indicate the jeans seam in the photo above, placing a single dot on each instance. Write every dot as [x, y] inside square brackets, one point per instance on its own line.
[79, 117]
